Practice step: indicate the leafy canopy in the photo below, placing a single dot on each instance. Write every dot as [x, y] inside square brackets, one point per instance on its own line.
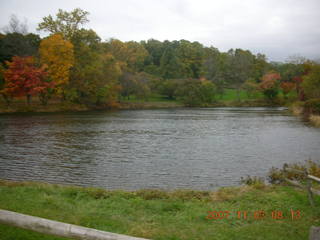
[66, 23]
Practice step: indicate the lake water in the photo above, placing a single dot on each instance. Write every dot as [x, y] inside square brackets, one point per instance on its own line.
[166, 149]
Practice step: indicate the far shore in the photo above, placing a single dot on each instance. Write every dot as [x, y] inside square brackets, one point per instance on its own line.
[125, 105]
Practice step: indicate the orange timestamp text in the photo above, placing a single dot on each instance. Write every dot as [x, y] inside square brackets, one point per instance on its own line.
[256, 215]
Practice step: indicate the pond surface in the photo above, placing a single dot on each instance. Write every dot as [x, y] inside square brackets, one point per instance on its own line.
[166, 149]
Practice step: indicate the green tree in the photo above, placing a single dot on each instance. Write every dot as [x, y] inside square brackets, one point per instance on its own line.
[155, 50]
[65, 23]
[94, 77]
[311, 82]
[17, 44]
[191, 54]
[195, 92]
[136, 55]
[250, 86]
[171, 65]
[168, 87]
[260, 67]
[242, 67]
[214, 68]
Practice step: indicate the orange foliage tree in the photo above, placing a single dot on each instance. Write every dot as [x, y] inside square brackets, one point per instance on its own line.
[57, 54]
[24, 78]
[269, 85]
[287, 87]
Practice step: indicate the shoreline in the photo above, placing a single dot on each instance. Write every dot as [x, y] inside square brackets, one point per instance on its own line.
[72, 107]
[298, 110]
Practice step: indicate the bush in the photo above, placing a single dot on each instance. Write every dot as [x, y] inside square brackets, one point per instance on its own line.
[253, 181]
[312, 106]
[277, 176]
[195, 92]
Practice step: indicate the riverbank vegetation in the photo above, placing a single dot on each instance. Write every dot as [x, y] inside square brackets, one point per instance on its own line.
[72, 68]
[273, 212]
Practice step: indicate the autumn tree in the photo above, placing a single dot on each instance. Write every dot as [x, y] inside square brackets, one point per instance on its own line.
[95, 75]
[128, 83]
[138, 84]
[287, 87]
[131, 55]
[269, 85]
[2, 84]
[95, 72]
[58, 55]
[103, 84]
[108, 87]
[24, 78]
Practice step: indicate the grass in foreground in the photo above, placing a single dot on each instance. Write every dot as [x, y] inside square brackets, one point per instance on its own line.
[163, 215]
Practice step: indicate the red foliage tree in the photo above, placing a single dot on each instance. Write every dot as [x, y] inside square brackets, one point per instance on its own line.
[24, 78]
[287, 87]
[269, 80]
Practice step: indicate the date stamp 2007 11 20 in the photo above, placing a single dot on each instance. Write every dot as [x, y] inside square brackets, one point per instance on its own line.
[257, 215]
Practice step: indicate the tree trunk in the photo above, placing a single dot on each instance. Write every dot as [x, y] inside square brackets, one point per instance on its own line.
[28, 99]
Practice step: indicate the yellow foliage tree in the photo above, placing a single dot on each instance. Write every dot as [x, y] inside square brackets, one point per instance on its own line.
[57, 54]
[129, 54]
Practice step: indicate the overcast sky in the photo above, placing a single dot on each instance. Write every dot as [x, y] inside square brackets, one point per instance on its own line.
[277, 28]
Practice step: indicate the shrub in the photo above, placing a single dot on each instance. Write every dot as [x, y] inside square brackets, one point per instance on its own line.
[277, 176]
[195, 92]
[312, 106]
[254, 181]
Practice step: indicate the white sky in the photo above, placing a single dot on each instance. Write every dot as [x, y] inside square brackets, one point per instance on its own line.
[277, 28]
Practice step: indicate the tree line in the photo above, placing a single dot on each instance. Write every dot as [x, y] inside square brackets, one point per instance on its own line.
[74, 64]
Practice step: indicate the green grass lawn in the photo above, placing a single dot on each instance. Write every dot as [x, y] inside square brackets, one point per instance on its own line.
[163, 215]
[231, 95]
[229, 98]
[152, 98]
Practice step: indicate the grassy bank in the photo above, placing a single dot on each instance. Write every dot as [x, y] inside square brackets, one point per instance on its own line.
[155, 101]
[20, 105]
[164, 215]
[315, 120]
[299, 109]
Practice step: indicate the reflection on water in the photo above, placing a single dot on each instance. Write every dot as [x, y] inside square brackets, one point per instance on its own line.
[175, 148]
